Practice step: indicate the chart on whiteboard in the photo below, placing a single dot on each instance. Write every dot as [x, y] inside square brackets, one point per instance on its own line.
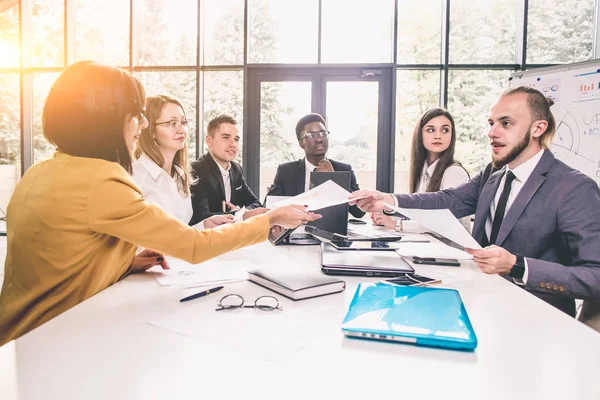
[576, 95]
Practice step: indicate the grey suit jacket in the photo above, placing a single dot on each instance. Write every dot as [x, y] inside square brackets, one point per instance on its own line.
[554, 222]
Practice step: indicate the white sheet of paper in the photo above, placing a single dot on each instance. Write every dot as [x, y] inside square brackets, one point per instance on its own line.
[435, 250]
[442, 222]
[272, 200]
[209, 272]
[271, 335]
[325, 195]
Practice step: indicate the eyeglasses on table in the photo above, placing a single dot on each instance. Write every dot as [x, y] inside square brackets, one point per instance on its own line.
[235, 301]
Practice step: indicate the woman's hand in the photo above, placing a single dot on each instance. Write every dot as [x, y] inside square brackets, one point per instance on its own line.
[291, 216]
[379, 218]
[146, 260]
[217, 220]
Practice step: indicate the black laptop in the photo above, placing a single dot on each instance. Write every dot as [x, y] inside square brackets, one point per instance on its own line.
[279, 235]
[333, 224]
[330, 216]
[362, 263]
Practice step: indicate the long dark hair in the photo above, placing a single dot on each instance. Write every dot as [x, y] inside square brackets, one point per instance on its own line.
[419, 152]
[87, 108]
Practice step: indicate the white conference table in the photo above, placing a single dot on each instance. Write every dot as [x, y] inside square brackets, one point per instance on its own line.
[105, 348]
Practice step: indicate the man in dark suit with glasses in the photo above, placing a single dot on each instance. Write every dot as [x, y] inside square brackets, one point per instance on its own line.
[293, 178]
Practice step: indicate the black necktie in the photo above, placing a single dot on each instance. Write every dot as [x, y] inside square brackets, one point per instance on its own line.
[501, 207]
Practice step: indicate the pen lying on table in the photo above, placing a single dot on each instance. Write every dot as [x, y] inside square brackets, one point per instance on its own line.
[201, 294]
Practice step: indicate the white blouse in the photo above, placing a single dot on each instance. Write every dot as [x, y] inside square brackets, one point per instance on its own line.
[453, 176]
[161, 189]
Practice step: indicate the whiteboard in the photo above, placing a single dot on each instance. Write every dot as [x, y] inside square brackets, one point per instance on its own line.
[575, 89]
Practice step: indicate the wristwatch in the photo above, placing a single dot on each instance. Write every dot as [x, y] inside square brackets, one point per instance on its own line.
[518, 270]
[398, 227]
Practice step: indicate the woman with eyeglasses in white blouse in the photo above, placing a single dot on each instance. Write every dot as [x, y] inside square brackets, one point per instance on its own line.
[432, 165]
[161, 167]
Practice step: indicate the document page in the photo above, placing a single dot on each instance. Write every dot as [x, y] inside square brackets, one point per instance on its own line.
[442, 222]
[209, 272]
[325, 195]
[433, 250]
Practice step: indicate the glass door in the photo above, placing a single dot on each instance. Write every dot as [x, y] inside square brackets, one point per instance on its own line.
[354, 101]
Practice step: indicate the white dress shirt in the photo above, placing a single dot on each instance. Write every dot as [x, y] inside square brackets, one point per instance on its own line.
[309, 168]
[161, 189]
[238, 216]
[226, 180]
[522, 173]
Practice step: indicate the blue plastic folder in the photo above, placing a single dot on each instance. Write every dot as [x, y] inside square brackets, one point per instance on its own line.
[410, 314]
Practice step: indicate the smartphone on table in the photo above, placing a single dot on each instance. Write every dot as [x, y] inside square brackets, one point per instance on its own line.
[452, 262]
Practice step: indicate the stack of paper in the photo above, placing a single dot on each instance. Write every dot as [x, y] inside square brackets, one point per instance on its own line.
[211, 272]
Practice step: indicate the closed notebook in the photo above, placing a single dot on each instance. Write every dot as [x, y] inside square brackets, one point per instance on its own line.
[410, 314]
[296, 283]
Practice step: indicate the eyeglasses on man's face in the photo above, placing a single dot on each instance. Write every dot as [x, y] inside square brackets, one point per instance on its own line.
[175, 124]
[235, 301]
[312, 136]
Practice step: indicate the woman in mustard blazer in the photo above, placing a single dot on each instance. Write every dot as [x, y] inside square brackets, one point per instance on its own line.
[75, 221]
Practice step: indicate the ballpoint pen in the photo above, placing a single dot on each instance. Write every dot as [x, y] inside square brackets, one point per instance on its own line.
[201, 294]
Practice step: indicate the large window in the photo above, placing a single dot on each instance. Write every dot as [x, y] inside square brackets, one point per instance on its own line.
[283, 31]
[47, 33]
[223, 32]
[167, 32]
[41, 87]
[102, 31]
[471, 93]
[483, 31]
[10, 142]
[419, 32]
[201, 52]
[416, 92]
[10, 168]
[223, 93]
[560, 31]
[355, 32]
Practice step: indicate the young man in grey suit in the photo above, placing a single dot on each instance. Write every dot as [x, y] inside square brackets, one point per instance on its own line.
[293, 178]
[541, 230]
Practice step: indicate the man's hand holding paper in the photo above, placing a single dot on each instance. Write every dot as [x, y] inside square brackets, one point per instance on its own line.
[442, 221]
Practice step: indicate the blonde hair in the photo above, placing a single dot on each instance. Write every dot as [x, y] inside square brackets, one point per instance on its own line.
[148, 146]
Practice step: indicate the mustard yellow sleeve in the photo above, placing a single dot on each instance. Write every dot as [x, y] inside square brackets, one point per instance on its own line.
[116, 207]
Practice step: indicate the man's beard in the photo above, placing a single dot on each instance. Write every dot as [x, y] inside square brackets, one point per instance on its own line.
[514, 153]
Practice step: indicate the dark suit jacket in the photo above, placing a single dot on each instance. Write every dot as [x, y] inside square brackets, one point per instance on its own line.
[554, 223]
[291, 176]
[208, 190]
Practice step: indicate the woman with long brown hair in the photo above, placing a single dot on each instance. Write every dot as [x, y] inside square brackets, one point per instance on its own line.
[432, 163]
